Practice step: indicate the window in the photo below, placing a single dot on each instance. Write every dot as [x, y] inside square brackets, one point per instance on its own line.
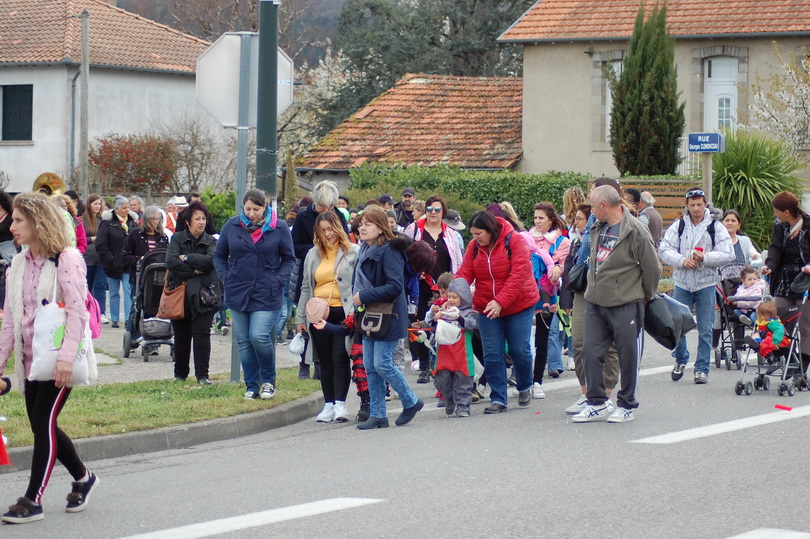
[724, 113]
[17, 112]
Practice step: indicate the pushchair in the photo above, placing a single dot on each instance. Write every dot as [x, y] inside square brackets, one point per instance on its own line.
[149, 277]
[731, 345]
[790, 372]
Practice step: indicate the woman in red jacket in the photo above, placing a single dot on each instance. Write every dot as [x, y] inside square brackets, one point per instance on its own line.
[498, 261]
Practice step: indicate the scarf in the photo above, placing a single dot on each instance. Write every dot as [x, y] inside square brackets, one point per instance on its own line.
[361, 280]
[256, 230]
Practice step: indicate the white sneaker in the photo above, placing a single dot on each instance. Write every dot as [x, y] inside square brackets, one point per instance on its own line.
[620, 415]
[341, 413]
[571, 365]
[591, 413]
[537, 391]
[267, 391]
[327, 414]
[611, 407]
[578, 406]
[105, 320]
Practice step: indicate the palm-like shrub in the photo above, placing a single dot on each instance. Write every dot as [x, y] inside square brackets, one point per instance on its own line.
[752, 170]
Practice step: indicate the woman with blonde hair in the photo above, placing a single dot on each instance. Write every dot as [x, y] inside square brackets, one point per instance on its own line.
[573, 198]
[34, 276]
[510, 214]
[328, 273]
[379, 277]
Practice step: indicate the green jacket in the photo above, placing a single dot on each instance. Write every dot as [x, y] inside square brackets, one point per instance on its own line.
[630, 272]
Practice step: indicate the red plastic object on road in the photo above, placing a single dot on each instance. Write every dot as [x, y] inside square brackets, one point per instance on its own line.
[783, 407]
[4, 460]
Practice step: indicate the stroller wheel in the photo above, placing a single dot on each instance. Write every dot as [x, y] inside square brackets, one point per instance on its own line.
[757, 382]
[766, 383]
[791, 389]
[127, 343]
[749, 388]
[781, 388]
[717, 359]
[738, 388]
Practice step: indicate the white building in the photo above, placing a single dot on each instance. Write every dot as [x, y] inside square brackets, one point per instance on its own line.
[141, 73]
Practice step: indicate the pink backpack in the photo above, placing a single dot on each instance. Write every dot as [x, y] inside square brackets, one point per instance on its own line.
[94, 311]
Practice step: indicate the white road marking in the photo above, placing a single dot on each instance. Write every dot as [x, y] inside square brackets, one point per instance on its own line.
[727, 426]
[772, 533]
[226, 525]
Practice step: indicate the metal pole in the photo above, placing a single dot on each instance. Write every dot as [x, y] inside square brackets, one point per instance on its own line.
[84, 144]
[267, 96]
[707, 176]
[241, 157]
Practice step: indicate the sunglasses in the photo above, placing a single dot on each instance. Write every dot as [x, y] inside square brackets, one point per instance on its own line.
[695, 193]
[434, 209]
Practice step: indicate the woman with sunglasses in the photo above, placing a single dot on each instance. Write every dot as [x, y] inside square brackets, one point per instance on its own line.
[444, 242]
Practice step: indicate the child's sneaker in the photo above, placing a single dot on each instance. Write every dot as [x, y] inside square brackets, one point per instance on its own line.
[80, 495]
[449, 408]
[621, 415]
[462, 411]
[23, 511]
[593, 412]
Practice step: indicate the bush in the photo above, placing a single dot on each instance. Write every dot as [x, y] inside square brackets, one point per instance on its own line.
[747, 176]
[135, 161]
[221, 205]
[479, 187]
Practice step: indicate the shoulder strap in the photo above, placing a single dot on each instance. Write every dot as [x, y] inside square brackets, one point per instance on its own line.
[556, 245]
[506, 244]
[710, 229]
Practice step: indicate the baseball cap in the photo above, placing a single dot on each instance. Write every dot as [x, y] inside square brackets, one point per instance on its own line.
[385, 199]
[408, 191]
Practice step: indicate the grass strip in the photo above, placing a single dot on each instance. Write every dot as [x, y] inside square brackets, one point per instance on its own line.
[136, 406]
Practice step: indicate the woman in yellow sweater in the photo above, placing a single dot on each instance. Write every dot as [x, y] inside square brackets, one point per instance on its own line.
[328, 273]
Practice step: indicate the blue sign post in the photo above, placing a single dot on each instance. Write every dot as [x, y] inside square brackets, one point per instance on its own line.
[706, 144]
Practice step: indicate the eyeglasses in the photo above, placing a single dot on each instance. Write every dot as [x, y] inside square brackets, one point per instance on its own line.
[695, 193]
[579, 218]
[434, 209]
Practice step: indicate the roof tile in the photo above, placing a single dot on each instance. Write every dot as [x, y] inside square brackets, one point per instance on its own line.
[47, 31]
[472, 122]
[553, 20]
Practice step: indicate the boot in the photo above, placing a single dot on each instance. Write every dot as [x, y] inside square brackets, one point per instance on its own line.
[424, 377]
[365, 407]
[303, 371]
[317, 375]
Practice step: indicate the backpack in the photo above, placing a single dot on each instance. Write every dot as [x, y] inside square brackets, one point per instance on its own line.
[91, 306]
[682, 225]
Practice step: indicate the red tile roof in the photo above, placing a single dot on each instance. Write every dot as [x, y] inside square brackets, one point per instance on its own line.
[46, 32]
[472, 122]
[564, 20]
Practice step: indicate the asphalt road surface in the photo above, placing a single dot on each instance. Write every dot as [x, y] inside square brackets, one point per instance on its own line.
[729, 466]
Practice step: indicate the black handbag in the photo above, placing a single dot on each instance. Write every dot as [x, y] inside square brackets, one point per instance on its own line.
[578, 278]
[376, 319]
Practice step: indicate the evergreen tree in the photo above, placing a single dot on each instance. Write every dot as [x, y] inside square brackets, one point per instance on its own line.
[647, 123]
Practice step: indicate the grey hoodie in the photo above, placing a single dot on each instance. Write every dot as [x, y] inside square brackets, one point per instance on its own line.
[466, 313]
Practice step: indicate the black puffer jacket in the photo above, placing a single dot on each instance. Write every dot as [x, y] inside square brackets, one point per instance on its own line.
[110, 241]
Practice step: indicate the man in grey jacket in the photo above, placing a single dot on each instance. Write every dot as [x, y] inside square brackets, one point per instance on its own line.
[623, 276]
[696, 246]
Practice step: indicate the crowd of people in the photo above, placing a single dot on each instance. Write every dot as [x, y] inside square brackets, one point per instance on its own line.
[367, 284]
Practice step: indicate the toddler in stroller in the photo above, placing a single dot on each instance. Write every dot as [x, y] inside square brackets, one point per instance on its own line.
[751, 286]
[769, 335]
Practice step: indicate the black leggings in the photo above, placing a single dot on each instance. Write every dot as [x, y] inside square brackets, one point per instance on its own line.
[43, 402]
[198, 331]
[541, 322]
[336, 370]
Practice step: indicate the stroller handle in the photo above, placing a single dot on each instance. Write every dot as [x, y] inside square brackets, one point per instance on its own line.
[750, 298]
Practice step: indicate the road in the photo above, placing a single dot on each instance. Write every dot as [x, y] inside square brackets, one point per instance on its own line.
[527, 473]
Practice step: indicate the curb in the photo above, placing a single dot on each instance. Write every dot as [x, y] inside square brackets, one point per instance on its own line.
[180, 436]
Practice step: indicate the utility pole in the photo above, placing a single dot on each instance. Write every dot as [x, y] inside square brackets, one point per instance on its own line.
[266, 110]
[84, 144]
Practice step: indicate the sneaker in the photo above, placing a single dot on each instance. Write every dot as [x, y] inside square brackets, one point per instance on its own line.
[23, 511]
[268, 391]
[341, 412]
[474, 396]
[744, 320]
[225, 330]
[752, 342]
[677, 371]
[511, 381]
[424, 377]
[592, 412]
[115, 325]
[495, 408]
[537, 391]
[282, 341]
[524, 397]
[578, 406]
[480, 391]
[701, 377]
[571, 365]
[303, 371]
[250, 395]
[611, 407]
[621, 415]
[327, 414]
[80, 495]
[463, 412]
[555, 373]
[105, 320]
[204, 381]
[441, 403]
[449, 408]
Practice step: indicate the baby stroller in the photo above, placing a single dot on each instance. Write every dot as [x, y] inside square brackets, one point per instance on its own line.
[790, 371]
[149, 277]
[732, 332]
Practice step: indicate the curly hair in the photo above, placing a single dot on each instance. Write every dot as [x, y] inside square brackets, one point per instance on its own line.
[320, 240]
[573, 198]
[47, 223]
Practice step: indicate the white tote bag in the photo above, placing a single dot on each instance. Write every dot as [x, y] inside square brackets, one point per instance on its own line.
[49, 334]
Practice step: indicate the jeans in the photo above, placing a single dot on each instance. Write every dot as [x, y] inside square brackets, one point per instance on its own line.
[283, 315]
[115, 297]
[555, 342]
[257, 352]
[703, 301]
[378, 358]
[515, 331]
[97, 285]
